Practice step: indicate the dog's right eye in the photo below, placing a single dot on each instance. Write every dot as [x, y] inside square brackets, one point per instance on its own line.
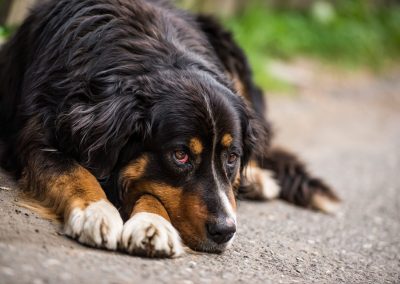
[181, 157]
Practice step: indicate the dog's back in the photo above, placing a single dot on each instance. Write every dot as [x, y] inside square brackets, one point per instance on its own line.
[66, 45]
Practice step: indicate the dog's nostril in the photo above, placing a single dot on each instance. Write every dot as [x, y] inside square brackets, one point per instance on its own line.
[221, 232]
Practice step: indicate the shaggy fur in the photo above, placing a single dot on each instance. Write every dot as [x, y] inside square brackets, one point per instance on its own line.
[101, 96]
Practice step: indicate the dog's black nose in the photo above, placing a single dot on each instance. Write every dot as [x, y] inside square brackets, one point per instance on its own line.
[221, 231]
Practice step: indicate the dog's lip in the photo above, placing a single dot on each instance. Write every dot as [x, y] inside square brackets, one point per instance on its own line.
[210, 246]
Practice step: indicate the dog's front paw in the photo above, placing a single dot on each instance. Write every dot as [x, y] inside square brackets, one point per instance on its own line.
[98, 225]
[150, 235]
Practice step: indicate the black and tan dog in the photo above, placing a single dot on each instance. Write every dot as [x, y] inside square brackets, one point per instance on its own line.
[139, 106]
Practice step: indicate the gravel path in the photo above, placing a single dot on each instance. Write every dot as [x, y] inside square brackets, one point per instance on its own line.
[348, 130]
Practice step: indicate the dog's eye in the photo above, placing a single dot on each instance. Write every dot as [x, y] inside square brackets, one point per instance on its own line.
[181, 157]
[232, 158]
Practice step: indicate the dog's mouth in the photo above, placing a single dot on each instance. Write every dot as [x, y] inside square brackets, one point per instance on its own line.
[210, 246]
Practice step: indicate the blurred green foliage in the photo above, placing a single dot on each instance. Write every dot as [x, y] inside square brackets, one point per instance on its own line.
[351, 33]
[4, 32]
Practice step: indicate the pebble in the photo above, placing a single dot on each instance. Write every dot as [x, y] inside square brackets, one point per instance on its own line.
[367, 246]
[51, 262]
[192, 264]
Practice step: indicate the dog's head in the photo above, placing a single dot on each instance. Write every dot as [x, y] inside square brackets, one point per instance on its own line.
[200, 137]
[189, 137]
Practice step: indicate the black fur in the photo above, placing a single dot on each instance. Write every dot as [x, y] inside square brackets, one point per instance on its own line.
[92, 82]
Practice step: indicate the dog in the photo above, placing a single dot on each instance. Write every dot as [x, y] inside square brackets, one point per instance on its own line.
[139, 125]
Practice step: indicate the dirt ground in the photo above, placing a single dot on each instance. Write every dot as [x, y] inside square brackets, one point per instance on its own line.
[346, 127]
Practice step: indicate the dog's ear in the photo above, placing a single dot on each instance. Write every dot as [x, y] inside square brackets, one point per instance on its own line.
[255, 133]
[96, 133]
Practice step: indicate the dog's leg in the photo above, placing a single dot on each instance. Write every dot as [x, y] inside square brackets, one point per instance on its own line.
[281, 174]
[298, 186]
[149, 231]
[75, 195]
[258, 183]
[69, 190]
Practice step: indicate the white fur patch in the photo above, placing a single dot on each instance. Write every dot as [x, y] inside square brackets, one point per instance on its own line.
[324, 203]
[227, 205]
[265, 183]
[222, 195]
[98, 225]
[151, 235]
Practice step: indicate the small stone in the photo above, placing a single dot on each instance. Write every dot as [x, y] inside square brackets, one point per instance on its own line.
[51, 262]
[192, 264]
[367, 246]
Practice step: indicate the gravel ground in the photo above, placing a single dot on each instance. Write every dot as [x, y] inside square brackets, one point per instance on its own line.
[347, 128]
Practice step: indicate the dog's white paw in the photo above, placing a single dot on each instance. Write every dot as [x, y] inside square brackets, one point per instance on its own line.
[150, 235]
[270, 187]
[98, 225]
[264, 185]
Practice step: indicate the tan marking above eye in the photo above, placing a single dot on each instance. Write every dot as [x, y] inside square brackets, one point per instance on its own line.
[195, 146]
[226, 140]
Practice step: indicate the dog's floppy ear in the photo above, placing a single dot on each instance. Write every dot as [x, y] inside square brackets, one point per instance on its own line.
[96, 133]
[255, 133]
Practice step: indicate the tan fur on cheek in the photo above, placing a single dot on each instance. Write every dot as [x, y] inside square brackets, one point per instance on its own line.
[135, 189]
[190, 219]
[226, 140]
[195, 146]
[186, 212]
